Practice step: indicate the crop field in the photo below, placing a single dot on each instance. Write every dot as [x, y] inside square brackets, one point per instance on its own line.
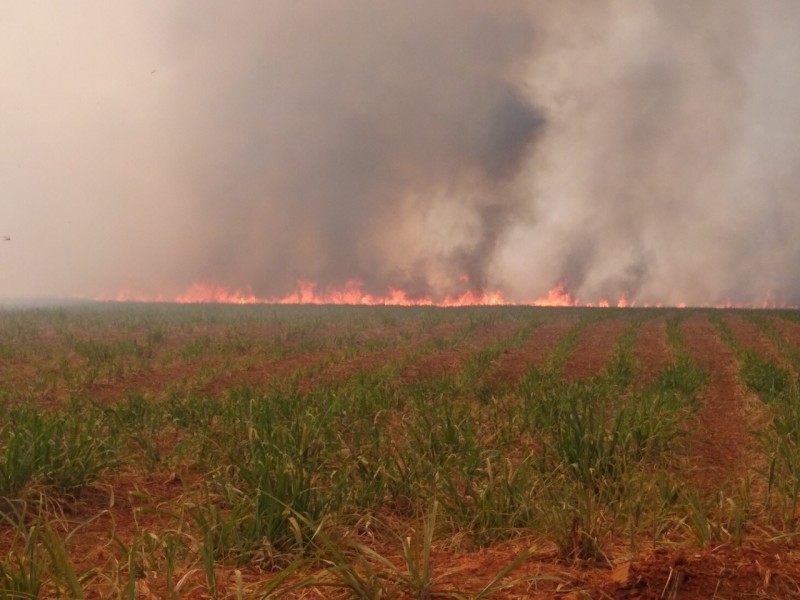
[221, 451]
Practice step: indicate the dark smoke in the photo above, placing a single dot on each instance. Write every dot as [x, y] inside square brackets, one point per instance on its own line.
[638, 147]
[379, 141]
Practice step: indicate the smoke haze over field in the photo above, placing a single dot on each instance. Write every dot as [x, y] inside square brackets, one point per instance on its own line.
[628, 147]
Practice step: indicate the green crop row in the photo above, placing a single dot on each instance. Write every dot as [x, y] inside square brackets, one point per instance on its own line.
[775, 381]
[296, 480]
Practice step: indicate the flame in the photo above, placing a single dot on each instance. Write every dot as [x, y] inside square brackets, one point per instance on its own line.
[210, 293]
[352, 292]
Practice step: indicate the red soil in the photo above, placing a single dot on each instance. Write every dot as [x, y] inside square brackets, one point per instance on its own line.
[789, 330]
[510, 367]
[373, 360]
[263, 374]
[719, 443]
[448, 361]
[750, 337]
[652, 352]
[594, 349]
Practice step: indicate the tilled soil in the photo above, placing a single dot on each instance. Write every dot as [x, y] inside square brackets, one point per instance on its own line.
[789, 330]
[762, 570]
[448, 361]
[719, 452]
[340, 371]
[262, 374]
[594, 349]
[652, 352]
[750, 337]
[510, 367]
[719, 444]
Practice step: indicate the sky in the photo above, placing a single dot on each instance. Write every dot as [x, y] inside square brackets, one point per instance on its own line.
[624, 147]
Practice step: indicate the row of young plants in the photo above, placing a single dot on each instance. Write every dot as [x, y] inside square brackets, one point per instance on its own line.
[606, 446]
[54, 455]
[297, 482]
[70, 353]
[775, 381]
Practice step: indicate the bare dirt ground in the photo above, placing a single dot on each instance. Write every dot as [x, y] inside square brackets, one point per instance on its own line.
[749, 337]
[341, 371]
[594, 349]
[762, 570]
[789, 330]
[261, 375]
[448, 361]
[652, 352]
[719, 445]
[511, 366]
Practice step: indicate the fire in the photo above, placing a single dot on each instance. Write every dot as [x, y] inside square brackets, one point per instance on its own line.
[558, 296]
[209, 293]
[352, 292]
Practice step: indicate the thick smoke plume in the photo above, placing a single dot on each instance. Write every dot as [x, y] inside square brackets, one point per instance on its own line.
[665, 172]
[630, 147]
[377, 141]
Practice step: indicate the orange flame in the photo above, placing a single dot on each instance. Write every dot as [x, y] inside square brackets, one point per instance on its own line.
[352, 293]
[209, 293]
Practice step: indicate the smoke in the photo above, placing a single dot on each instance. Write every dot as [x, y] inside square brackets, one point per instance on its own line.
[666, 174]
[377, 141]
[625, 147]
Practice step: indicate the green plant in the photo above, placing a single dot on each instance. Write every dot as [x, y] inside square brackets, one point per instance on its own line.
[63, 452]
[765, 377]
[37, 558]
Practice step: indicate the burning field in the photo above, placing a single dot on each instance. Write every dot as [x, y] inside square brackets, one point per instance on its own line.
[453, 152]
[301, 451]
[389, 300]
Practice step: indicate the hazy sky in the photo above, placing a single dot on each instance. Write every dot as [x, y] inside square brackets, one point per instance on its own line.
[631, 147]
